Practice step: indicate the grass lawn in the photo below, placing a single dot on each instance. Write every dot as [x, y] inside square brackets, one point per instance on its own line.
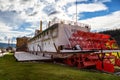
[10, 69]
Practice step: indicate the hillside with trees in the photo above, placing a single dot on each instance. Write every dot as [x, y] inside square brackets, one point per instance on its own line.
[114, 34]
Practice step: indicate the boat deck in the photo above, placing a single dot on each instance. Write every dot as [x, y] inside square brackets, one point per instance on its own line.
[25, 56]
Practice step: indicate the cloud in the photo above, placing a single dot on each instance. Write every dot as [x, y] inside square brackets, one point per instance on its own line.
[4, 27]
[49, 9]
[62, 3]
[12, 35]
[101, 1]
[91, 7]
[106, 22]
[14, 14]
[10, 18]
[16, 5]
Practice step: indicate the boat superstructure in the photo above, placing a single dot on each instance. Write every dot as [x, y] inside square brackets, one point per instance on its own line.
[76, 45]
[56, 36]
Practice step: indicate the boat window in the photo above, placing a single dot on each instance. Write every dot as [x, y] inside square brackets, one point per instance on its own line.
[39, 36]
[73, 30]
[86, 26]
[43, 34]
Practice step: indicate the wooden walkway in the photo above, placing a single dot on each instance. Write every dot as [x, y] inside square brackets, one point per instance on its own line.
[25, 56]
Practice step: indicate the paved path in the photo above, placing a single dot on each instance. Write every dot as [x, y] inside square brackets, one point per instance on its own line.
[24, 56]
[2, 54]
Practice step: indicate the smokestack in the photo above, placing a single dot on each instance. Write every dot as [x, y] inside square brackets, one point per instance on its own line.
[40, 26]
[49, 24]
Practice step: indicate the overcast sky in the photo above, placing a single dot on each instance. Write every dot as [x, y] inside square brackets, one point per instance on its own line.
[21, 17]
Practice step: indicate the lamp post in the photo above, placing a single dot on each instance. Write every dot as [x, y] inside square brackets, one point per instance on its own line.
[8, 42]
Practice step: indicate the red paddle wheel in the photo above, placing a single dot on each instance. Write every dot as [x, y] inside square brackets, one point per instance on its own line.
[93, 41]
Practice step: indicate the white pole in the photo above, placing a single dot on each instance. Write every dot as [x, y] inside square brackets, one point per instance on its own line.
[76, 11]
[8, 42]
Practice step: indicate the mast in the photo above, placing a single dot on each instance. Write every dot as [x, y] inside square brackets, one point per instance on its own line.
[76, 10]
